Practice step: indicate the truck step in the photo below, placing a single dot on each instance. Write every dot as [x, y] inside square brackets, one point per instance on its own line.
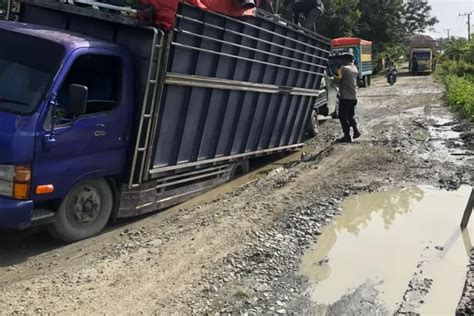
[42, 216]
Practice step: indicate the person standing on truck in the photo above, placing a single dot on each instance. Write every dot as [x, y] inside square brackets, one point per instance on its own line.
[311, 9]
[346, 77]
[267, 6]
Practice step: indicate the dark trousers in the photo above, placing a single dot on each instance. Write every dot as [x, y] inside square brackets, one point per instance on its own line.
[304, 8]
[346, 115]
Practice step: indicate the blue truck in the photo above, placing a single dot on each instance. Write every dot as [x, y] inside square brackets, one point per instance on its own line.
[103, 116]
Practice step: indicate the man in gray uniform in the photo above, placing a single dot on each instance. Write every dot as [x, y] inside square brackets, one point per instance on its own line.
[347, 78]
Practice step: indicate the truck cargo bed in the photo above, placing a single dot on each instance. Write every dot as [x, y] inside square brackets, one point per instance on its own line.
[235, 87]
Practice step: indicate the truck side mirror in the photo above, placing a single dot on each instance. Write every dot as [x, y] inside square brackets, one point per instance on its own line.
[77, 99]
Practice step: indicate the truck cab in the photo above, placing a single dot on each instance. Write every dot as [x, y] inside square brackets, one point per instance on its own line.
[327, 104]
[423, 48]
[64, 104]
[425, 59]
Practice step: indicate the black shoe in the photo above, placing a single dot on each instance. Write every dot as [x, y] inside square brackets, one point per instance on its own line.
[345, 139]
[356, 134]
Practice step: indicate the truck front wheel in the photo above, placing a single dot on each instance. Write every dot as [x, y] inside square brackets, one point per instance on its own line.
[84, 212]
[313, 124]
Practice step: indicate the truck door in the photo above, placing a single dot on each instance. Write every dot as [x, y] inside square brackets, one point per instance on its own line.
[91, 145]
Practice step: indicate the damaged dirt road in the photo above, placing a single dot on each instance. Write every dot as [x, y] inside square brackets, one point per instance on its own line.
[240, 248]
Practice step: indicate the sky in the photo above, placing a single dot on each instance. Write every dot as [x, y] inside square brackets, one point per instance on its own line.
[447, 12]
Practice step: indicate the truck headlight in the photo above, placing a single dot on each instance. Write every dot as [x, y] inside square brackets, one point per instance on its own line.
[15, 181]
[7, 175]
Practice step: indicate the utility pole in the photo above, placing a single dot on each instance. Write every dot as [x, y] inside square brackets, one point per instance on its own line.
[468, 14]
[448, 31]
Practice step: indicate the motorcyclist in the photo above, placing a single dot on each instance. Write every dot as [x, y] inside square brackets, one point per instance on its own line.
[392, 73]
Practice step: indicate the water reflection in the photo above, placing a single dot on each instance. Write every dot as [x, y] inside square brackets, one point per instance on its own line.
[358, 211]
[383, 237]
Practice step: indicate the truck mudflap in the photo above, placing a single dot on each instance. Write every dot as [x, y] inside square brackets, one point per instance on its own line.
[15, 214]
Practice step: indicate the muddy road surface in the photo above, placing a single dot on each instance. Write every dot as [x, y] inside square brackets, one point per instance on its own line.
[244, 248]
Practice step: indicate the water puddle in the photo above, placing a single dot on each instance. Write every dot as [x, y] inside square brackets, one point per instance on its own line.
[386, 238]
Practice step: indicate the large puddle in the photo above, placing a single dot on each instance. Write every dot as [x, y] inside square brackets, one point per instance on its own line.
[385, 238]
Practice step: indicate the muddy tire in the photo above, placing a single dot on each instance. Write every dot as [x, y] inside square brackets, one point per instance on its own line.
[240, 168]
[313, 124]
[363, 82]
[84, 212]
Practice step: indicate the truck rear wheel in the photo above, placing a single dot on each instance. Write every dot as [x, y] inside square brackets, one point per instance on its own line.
[239, 169]
[84, 212]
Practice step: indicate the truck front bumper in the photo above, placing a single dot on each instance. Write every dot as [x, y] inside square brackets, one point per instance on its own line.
[15, 214]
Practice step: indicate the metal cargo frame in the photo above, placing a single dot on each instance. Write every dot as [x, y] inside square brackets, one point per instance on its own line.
[235, 89]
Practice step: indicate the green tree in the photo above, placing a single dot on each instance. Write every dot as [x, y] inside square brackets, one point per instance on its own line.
[417, 16]
[382, 22]
[341, 18]
[455, 48]
[469, 53]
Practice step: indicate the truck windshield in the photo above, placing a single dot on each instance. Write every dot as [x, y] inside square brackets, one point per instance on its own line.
[422, 55]
[27, 67]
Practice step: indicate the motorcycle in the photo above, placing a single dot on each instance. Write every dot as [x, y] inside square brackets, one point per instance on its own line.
[392, 75]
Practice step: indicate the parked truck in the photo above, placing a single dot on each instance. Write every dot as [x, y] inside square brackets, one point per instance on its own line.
[423, 49]
[105, 117]
[362, 51]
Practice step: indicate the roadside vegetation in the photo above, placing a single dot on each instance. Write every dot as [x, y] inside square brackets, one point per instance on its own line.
[456, 69]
